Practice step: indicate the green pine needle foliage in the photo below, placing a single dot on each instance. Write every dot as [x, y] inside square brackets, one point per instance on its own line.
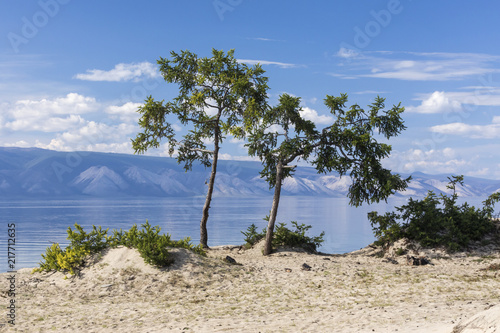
[252, 236]
[283, 236]
[152, 246]
[436, 221]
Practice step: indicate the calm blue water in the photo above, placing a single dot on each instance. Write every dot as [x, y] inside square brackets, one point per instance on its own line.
[38, 223]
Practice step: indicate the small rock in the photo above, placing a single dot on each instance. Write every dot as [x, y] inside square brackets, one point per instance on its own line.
[288, 270]
[306, 267]
[106, 285]
[230, 260]
[417, 261]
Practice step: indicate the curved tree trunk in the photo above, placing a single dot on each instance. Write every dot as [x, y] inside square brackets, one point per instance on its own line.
[206, 207]
[268, 248]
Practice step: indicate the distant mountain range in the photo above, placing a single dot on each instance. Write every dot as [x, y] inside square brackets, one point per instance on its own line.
[39, 173]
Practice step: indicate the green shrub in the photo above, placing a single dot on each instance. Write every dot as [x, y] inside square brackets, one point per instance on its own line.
[436, 221]
[59, 260]
[92, 242]
[286, 237]
[81, 245]
[152, 246]
[252, 236]
[185, 243]
[297, 237]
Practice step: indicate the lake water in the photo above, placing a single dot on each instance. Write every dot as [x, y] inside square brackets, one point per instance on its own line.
[39, 223]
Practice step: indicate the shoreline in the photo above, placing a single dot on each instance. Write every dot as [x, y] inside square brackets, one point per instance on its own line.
[352, 292]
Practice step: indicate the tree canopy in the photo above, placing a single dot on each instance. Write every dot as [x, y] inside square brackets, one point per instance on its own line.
[347, 146]
[218, 96]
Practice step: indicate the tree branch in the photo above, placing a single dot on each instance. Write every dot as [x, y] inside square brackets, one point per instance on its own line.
[174, 143]
[212, 106]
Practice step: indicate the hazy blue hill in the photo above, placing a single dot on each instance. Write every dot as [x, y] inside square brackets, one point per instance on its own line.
[39, 173]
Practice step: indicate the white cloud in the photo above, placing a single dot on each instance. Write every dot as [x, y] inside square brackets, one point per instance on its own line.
[462, 102]
[437, 102]
[470, 160]
[404, 64]
[122, 72]
[211, 111]
[208, 141]
[235, 140]
[72, 103]
[265, 62]
[266, 39]
[343, 76]
[432, 161]
[491, 131]
[52, 124]
[485, 96]
[93, 136]
[127, 108]
[60, 145]
[55, 144]
[95, 132]
[415, 66]
[274, 129]
[226, 156]
[312, 115]
[48, 115]
[126, 112]
[20, 143]
[115, 147]
[347, 53]
[483, 172]
[313, 100]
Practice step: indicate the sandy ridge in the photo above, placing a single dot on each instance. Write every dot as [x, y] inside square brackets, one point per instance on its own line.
[355, 292]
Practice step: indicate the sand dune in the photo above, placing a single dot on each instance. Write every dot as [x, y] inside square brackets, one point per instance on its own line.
[355, 292]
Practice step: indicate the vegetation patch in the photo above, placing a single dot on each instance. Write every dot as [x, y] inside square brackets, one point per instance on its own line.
[152, 246]
[437, 221]
[283, 236]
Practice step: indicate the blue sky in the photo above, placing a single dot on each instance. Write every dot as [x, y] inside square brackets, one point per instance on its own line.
[72, 73]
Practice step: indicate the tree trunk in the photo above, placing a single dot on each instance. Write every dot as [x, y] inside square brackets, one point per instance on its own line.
[274, 210]
[206, 207]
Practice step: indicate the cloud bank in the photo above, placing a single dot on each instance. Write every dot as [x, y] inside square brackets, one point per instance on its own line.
[121, 72]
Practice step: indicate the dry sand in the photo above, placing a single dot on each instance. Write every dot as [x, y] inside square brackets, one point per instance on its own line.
[355, 292]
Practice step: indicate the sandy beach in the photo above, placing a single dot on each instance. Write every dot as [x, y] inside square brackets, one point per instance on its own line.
[355, 292]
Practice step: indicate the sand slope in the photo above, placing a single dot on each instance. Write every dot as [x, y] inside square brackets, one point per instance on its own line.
[356, 292]
[487, 321]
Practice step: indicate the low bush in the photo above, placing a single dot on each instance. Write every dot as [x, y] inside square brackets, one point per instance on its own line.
[286, 237]
[436, 221]
[152, 246]
[59, 260]
[252, 237]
